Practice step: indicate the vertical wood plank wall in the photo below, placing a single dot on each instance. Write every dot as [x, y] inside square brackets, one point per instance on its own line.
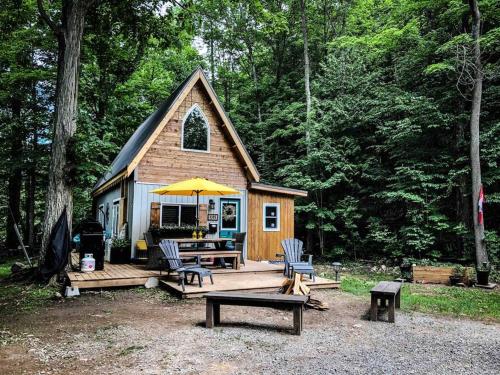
[264, 245]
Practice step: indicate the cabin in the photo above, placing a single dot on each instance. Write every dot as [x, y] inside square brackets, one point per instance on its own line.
[188, 136]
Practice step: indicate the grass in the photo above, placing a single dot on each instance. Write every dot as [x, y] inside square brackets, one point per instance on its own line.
[19, 296]
[459, 302]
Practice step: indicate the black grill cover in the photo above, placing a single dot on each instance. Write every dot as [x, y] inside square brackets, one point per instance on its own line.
[58, 249]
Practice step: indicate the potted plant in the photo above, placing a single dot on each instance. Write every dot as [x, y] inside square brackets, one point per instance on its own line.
[457, 275]
[120, 251]
[406, 269]
[483, 273]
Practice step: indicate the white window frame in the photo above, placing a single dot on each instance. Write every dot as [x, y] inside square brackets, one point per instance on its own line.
[116, 216]
[174, 205]
[101, 214]
[264, 217]
[237, 223]
[195, 106]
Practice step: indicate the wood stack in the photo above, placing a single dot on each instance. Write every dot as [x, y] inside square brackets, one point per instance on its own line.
[296, 286]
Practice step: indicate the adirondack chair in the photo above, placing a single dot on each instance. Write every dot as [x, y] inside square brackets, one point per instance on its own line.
[171, 251]
[294, 253]
[239, 242]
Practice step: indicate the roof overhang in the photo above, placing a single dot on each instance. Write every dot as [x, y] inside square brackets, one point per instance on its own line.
[110, 183]
[277, 189]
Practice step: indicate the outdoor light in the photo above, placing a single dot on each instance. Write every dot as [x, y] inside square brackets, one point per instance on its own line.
[211, 204]
[336, 268]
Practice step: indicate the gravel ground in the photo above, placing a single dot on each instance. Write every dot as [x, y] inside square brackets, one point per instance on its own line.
[126, 332]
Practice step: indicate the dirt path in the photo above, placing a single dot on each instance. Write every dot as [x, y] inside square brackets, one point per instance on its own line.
[131, 332]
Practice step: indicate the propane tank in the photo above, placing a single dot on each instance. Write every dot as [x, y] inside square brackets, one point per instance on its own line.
[87, 263]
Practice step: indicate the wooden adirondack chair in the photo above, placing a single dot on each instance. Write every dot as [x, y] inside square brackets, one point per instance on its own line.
[171, 251]
[294, 253]
[239, 242]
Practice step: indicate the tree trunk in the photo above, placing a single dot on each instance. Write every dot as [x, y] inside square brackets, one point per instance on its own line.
[481, 255]
[303, 11]
[29, 228]
[15, 176]
[60, 190]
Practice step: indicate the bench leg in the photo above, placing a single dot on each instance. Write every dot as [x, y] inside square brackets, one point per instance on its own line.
[211, 279]
[210, 315]
[297, 320]
[216, 314]
[398, 299]
[391, 309]
[373, 308]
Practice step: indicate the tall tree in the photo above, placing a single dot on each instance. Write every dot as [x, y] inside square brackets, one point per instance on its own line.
[477, 91]
[69, 32]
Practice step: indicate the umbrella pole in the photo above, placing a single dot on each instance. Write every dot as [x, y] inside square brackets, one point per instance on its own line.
[197, 215]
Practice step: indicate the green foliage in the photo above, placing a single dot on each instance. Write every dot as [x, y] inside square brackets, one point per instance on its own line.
[460, 302]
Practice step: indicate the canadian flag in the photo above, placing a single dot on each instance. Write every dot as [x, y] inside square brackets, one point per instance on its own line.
[480, 206]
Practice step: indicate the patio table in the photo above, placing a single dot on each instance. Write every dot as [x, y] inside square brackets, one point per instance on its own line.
[218, 253]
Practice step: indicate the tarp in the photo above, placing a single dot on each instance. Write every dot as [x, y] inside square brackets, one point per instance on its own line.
[58, 249]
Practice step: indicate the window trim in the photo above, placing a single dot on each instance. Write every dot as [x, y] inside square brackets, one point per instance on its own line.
[264, 217]
[101, 214]
[114, 223]
[179, 214]
[193, 107]
[237, 221]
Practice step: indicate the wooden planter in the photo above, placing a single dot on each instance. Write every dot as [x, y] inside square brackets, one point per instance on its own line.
[436, 275]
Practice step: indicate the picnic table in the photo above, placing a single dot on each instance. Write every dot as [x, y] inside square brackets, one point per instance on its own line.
[385, 291]
[219, 252]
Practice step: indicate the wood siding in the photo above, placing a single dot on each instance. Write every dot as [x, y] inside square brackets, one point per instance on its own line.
[263, 245]
[165, 162]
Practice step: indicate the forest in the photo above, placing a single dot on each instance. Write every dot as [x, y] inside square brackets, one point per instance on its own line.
[365, 104]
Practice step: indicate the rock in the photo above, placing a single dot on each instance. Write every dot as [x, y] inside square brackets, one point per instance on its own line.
[152, 283]
[374, 269]
[383, 268]
[18, 267]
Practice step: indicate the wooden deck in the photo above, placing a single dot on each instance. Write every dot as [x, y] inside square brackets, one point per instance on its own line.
[253, 276]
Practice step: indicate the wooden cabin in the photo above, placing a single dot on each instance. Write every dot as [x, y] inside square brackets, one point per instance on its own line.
[190, 135]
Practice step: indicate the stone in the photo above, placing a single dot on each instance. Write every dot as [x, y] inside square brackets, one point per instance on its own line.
[152, 282]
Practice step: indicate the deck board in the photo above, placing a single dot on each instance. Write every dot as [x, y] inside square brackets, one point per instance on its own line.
[253, 276]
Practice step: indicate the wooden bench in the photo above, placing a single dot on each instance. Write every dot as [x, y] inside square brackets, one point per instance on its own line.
[385, 291]
[235, 255]
[276, 301]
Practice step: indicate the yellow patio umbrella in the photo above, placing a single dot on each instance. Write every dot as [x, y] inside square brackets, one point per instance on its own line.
[195, 186]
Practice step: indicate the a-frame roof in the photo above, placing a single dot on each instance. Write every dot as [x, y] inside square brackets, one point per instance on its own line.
[142, 139]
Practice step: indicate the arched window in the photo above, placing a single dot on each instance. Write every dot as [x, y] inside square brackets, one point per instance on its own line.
[195, 131]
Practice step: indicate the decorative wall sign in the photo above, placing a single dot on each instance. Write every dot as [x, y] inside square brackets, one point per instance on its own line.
[213, 217]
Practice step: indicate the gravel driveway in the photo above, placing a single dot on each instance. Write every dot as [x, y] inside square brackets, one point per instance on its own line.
[130, 332]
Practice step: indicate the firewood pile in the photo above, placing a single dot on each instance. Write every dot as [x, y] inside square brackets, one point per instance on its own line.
[296, 286]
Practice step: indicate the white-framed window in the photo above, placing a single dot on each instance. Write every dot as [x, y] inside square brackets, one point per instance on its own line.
[100, 215]
[115, 213]
[178, 214]
[195, 134]
[271, 217]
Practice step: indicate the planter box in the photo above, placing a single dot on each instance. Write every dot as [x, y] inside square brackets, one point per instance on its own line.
[436, 275]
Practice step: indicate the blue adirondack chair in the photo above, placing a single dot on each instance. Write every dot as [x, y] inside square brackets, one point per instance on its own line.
[171, 251]
[294, 255]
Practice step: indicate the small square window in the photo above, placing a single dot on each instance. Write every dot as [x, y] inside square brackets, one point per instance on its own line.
[271, 217]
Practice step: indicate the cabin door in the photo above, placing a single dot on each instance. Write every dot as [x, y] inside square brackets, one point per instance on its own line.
[230, 213]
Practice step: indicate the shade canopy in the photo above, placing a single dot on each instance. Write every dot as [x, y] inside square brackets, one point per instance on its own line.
[195, 186]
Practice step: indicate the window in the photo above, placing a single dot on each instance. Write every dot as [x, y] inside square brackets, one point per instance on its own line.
[100, 215]
[116, 217]
[195, 131]
[271, 217]
[176, 214]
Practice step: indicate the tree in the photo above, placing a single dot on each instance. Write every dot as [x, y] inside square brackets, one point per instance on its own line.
[475, 160]
[69, 34]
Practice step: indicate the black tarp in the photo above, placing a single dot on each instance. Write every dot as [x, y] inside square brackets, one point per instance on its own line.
[58, 249]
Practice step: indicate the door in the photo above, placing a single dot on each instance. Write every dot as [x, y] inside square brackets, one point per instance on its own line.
[230, 213]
